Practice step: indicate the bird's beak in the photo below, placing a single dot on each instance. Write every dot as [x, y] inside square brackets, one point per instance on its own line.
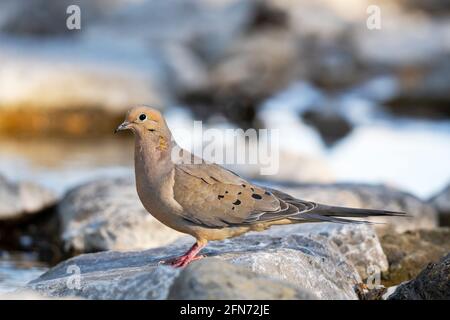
[123, 126]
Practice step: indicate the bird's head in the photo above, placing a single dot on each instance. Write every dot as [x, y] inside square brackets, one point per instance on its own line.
[144, 120]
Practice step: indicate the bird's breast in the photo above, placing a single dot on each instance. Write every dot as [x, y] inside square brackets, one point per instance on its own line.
[157, 199]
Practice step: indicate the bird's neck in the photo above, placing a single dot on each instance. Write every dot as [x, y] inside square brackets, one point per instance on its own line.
[152, 157]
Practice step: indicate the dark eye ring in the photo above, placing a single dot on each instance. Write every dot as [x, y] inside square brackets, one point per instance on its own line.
[142, 117]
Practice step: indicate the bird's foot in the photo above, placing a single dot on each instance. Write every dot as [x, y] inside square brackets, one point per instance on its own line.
[181, 261]
[188, 257]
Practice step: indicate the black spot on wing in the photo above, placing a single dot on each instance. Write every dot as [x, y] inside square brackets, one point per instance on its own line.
[220, 196]
[256, 196]
[214, 179]
[237, 202]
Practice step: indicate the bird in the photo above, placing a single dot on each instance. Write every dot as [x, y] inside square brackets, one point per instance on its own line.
[208, 201]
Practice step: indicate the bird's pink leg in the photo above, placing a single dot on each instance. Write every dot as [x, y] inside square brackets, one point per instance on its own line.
[189, 256]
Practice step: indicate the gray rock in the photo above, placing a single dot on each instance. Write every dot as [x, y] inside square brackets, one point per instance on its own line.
[29, 295]
[442, 204]
[315, 266]
[23, 199]
[422, 215]
[358, 243]
[433, 283]
[108, 215]
[214, 279]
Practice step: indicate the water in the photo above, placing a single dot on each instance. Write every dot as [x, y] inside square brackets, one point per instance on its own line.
[17, 269]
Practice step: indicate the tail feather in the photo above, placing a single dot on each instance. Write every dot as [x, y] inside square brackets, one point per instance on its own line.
[353, 212]
[324, 213]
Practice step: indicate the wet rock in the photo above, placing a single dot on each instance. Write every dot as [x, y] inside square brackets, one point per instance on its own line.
[432, 283]
[409, 252]
[305, 263]
[24, 199]
[422, 214]
[214, 279]
[442, 204]
[108, 215]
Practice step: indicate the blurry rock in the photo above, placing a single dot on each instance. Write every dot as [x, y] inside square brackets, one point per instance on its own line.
[402, 30]
[24, 199]
[424, 92]
[315, 266]
[48, 18]
[331, 124]
[108, 215]
[244, 77]
[432, 283]
[291, 167]
[152, 21]
[435, 7]
[411, 251]
[422, 214]
[358, 243]
[66, 89]
[442, 204]
[214, 279]
[267, 15]
[294, 167]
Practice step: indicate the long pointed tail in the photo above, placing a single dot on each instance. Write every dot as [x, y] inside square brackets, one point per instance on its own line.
[324, 213]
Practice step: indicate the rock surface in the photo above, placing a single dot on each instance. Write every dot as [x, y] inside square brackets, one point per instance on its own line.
[315, 266]
[214, 279]
[442, 204]
[433, 283]
[29, 295]
[23, 199]
[358, 243]
[108, 215]
[422, 214]
[409, 252]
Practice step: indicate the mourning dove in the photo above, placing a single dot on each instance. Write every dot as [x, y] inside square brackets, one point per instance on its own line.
[206, 200]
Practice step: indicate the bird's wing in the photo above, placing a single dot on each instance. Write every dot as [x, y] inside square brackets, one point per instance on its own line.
[216, 197]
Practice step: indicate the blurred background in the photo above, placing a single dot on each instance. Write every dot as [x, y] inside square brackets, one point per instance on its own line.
[351, 104]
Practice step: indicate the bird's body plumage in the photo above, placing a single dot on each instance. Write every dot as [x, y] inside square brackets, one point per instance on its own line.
[208, 201]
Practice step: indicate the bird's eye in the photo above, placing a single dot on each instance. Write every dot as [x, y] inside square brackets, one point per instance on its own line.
[142, 117]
